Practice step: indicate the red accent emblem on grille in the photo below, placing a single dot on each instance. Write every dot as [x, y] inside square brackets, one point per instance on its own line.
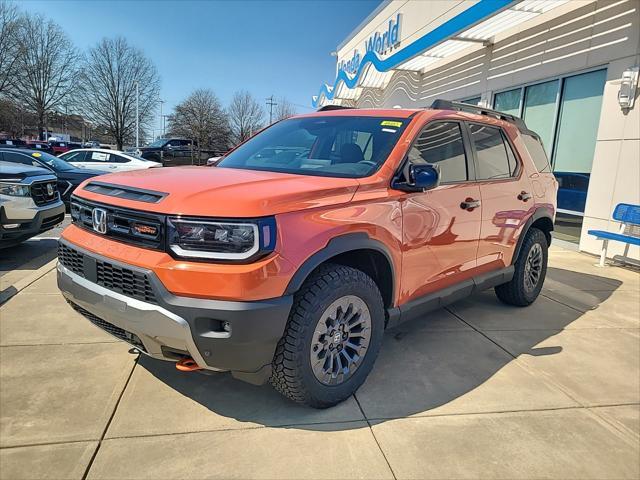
[145, 229]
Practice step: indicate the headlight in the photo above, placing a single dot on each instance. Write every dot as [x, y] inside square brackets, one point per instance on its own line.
[15, 189]
[221, 240]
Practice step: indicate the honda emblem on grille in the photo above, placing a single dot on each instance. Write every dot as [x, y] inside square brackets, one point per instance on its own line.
[99, 217]
[49, 189]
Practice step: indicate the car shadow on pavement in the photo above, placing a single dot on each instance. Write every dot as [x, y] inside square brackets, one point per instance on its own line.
[424, 365]
[18, 262]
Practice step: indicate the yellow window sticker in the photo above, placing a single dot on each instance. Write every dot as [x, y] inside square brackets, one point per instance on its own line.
[36, 154]
[391, 123]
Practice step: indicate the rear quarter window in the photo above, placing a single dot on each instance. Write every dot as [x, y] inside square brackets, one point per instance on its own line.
[537, 153]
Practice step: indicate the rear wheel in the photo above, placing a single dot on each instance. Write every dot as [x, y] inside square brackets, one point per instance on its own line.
[332, 338]
[529, 273]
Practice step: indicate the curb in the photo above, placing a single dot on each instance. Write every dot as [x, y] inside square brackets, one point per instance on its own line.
[23, 283]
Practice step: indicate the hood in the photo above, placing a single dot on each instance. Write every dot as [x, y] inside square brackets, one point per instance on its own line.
[16, 172]
[226, 192]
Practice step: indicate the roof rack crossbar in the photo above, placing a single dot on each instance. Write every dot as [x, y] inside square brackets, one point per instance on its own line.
[465, 107]
[328, 108]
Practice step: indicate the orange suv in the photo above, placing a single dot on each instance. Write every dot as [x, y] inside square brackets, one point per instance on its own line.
[287, 261]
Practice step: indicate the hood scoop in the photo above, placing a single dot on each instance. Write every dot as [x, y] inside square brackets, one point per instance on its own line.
[128, 193]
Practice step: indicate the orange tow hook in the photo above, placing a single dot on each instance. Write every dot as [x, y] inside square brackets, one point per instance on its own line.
[187, 365]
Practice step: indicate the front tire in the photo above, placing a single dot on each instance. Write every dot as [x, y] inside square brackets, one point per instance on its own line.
[530, 271]
[332, 338]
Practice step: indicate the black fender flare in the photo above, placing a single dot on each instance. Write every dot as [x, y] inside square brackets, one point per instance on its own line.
[342, 244]
[540, 212]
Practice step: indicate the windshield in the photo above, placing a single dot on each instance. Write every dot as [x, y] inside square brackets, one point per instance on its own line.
[351, 147]
[52, 162]
[158, 143]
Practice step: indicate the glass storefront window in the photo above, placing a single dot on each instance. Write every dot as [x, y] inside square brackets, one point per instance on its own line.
[508, 102]
[539, 110]
[575, 145]
[578, 122]
[472, 101]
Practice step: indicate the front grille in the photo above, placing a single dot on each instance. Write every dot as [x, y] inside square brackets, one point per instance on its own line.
[131, 226]
[71, 259]
[44, 192]
[117, 332]
[123, 280]
[119, 279]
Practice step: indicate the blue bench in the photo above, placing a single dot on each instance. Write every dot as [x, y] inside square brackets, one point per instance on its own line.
[629, 233]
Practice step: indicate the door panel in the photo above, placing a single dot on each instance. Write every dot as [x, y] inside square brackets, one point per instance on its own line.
[507, 196]
[440, 239]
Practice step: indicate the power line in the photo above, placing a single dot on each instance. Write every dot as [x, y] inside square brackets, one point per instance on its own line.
[271, 104]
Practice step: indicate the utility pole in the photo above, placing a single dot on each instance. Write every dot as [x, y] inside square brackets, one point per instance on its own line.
[137, 118]
[164, 118]
[161, 129]
[271, 104]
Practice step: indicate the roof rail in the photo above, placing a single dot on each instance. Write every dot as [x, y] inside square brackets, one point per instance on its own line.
[328, 108]
[465, 107]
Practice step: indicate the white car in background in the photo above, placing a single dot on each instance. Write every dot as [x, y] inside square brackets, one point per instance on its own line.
[107, 160]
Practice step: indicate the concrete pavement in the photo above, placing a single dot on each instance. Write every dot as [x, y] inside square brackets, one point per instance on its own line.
[475, 390]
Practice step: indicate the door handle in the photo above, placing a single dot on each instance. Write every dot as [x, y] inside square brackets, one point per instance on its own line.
[469, 204]
[524, 196]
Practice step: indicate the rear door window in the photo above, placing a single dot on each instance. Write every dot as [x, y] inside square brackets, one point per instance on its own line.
[119, 159]
[492, 154]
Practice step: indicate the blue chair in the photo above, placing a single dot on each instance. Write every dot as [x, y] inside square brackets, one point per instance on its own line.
[629, 216]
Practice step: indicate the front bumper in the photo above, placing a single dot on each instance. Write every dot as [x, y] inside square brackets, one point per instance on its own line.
[32, 219]
[219, 335]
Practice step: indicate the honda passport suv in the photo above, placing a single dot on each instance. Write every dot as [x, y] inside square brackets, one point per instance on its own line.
[287, 261]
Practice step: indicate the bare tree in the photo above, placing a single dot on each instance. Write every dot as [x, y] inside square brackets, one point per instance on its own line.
[45, 67]
[246, 116]
[284, 109]
[9, 43]
[108, 78]
[201, 117]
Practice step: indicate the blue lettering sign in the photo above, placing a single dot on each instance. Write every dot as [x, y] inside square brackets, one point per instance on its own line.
[378, 42]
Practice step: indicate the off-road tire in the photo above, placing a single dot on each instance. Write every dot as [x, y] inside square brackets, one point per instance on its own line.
[514, 292]
[292, 371]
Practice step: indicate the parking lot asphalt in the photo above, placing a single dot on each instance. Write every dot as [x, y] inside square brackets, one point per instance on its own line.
[478, 389]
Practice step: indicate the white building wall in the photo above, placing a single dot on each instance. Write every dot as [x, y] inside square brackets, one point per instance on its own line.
[615, 175]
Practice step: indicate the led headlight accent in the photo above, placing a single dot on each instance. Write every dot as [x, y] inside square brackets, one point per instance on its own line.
[15, 189]
[220, 240]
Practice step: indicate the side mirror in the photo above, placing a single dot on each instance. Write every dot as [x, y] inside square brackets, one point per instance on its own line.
[424, 177]
[421, 177]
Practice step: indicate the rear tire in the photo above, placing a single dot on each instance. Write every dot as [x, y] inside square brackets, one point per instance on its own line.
[530, 271]
[332, 338]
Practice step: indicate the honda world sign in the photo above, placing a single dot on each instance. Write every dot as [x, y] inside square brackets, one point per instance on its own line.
[380, 42]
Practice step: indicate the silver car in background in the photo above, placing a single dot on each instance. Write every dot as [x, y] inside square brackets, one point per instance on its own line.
[29, 202]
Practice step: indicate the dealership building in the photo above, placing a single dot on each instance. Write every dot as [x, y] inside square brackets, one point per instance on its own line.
[569, 68]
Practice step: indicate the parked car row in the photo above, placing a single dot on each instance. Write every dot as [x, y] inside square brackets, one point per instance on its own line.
[171, 152]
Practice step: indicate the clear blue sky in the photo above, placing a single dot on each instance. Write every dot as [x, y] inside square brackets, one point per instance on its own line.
[267, 47]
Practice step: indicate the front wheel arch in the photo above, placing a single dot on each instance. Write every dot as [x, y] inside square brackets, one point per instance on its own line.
[356, 250]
